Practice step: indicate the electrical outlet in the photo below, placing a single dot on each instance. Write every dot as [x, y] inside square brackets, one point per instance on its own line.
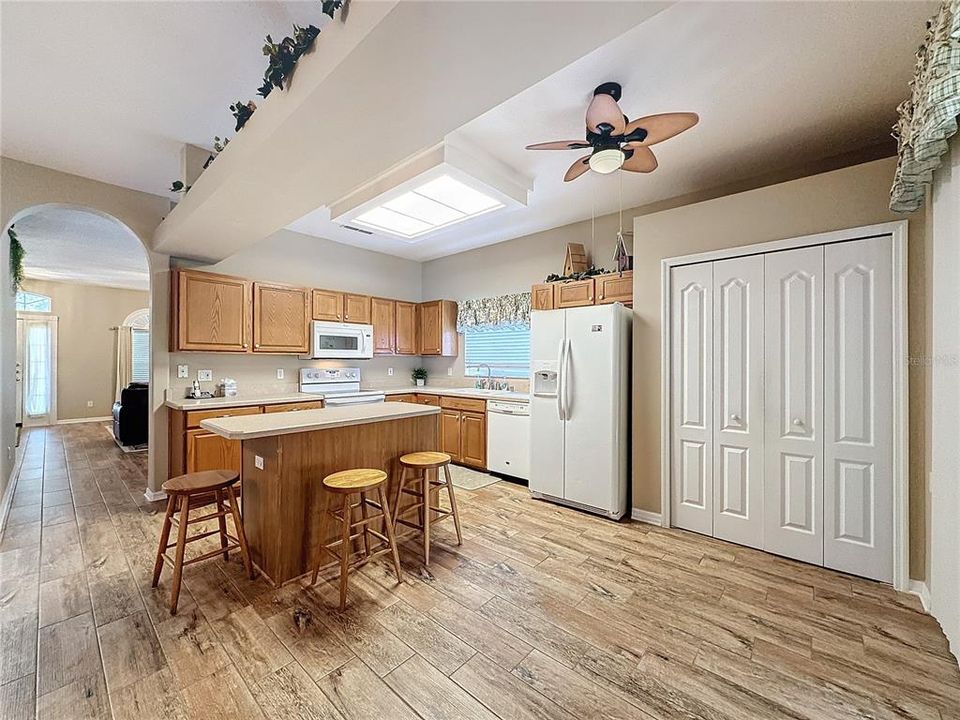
[450, 371]
[204, 375]
[390, 372]
[258, 462]
[183, 371]
[279, 373]
[89, 403]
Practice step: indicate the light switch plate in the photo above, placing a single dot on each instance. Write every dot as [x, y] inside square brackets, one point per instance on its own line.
[204, 375]
[183, 371]
[450, 371]
[279, 373]
[89, 403]
[258, 462]
[390, 372]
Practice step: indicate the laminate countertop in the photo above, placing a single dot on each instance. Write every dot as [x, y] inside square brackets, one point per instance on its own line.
[247, 427]
[461, 392]
[240, 401]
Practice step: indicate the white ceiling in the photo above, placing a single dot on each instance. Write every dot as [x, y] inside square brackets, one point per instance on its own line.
[776, 85]
[80, 246]
[111, 90]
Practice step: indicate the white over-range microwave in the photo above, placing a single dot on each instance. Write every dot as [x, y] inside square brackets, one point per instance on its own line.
[341, 341]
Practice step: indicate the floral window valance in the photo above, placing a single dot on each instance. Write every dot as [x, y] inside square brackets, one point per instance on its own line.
[488, 312]
[928, 118]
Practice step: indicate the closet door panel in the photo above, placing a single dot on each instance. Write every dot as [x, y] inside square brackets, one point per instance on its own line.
[858, 385]
[738, 406]
[793, 404]
[691, 337]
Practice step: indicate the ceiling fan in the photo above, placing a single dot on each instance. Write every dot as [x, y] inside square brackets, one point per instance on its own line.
[618, 143]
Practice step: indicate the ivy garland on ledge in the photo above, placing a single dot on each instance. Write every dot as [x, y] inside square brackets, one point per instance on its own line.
[282, 58]
[16, 260]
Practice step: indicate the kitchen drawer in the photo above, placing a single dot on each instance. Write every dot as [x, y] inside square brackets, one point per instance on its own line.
[195, 416]
[469, 404]
[405, 397]
[428, 400]
[294, 407]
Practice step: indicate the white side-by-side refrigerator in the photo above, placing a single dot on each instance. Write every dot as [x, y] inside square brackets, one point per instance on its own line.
[579, 405]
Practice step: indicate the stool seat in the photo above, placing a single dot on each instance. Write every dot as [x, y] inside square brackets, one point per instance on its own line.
[426, 459]
[352, 481]
[200, 482]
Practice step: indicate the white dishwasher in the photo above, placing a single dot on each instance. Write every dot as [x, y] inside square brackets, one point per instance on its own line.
[508, 438]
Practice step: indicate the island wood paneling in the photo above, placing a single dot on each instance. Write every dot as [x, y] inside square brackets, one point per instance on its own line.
[281, 502]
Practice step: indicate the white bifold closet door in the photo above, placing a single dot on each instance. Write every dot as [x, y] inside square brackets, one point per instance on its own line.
[793, 413]
[738, 405]
[858, 417]
[691, 297]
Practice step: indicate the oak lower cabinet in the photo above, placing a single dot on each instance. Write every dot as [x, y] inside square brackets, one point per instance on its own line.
[438, 328]
[463, 430]
[294, 407]
[405, 341]
[405, 397]
[327, 305]
[383, 316]
[209, 451]
[427, 400]
[209, 312]
[281, 318]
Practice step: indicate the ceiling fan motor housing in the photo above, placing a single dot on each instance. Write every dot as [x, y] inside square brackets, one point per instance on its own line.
[609, 88]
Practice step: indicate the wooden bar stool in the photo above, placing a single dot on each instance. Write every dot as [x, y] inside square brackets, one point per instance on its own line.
[195, 490]
[425, 462]
[348, 483]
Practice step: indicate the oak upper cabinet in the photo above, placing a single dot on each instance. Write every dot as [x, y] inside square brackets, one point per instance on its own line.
[438, 328]
[473, 439]
[210, 312]
[450, 433]
[573, 294]
[281, 318]
[328, 305]
[383, 316]
[356, 308]
[614, 287]
[541, 296]
[406, 328]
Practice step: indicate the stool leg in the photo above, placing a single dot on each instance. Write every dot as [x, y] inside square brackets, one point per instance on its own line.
[425, 512]
[366, 528]
[344, 550]
[397, 495]
[389, 532]
[453, 503]
[222, 521]
[164, 539]
[322, 534]
[181, 546]
[241, 536]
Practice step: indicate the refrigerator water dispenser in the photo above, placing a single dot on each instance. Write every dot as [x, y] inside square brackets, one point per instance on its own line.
[545, 383]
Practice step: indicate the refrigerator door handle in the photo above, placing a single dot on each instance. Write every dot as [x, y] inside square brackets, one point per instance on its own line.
[560, 349]
[566, 380]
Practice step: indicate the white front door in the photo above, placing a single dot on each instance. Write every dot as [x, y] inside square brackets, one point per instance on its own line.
[39, 376]
[19, 392]
[738, 406]
[691, 338]
[858, 422]
[793, 404]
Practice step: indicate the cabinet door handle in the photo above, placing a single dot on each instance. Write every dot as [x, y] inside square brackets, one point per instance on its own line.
[256, 345]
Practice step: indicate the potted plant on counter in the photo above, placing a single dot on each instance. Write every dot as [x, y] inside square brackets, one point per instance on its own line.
[420, 376]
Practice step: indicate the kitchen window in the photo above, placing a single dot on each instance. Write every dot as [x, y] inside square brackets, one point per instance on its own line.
[504, 348]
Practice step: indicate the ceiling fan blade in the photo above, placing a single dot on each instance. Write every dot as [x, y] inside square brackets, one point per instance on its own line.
[560, 145]
[577, 169]
[661, 127]
[604, 109]
[642, 160]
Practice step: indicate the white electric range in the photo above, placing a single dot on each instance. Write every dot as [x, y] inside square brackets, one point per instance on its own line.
[339, 386]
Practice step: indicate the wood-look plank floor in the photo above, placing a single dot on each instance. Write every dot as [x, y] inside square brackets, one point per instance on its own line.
[543, 612]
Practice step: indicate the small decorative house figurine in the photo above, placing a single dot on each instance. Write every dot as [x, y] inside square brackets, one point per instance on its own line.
[620, 256]
[576, 260]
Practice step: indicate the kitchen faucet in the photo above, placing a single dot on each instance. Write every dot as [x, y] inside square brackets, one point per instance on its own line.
[480, 384]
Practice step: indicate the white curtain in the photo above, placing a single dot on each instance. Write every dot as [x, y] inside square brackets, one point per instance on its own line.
[39, 377]
[124, 358]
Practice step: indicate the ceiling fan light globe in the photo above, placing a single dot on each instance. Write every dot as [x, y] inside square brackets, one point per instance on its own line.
[607, 161]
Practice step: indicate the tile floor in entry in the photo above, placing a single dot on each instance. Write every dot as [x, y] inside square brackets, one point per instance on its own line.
[544, 612]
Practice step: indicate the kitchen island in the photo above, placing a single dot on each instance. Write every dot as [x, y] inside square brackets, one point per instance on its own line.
[285, 456]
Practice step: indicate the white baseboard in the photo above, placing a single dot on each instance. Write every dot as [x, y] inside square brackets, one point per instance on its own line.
[645, 516]
[920, 589]
[75, 421]
[7, 501]
[154, 495]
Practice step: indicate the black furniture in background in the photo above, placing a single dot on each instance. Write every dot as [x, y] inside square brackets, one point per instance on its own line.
[131, 415]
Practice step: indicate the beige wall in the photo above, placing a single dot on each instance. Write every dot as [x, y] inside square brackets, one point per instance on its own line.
[24, 186]
[841, 199]
[86, 346]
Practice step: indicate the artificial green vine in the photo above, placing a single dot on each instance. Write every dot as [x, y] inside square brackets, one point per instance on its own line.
[16, 260]
[282, 61]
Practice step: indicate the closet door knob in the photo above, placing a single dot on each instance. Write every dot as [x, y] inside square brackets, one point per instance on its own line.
[798, 422]
[734, 417]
